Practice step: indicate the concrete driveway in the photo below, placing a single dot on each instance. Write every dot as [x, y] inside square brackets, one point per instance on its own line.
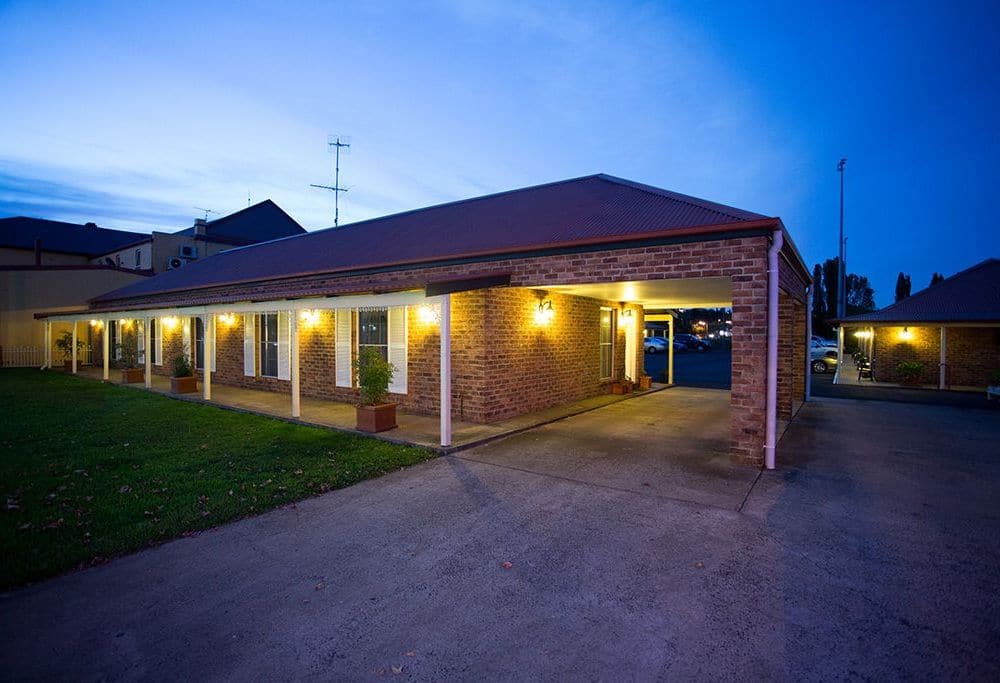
[875, 555]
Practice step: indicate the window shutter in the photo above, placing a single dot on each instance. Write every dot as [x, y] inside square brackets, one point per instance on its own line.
[249, 345]
[284, 340]
[397, 348]
[158, 351]
[186, 337]
[140, 342]
[342, 356]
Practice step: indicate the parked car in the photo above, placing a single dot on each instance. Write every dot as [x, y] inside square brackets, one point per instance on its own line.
[655, 344]
[692, 342]
[816, 339]
[822, 358]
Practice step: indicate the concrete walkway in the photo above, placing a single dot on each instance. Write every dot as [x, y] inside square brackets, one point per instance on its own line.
[874, 553]
[419, 430]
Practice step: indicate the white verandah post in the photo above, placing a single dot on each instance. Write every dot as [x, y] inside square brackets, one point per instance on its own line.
[147, 354]
[106, 348]
[293, 358]
[74, 347]
[446, 370]
[670, 349]
[48, 344]
[208, 328]
[840, 353]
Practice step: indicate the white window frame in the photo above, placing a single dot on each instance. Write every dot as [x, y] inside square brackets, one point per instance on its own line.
[610, 344]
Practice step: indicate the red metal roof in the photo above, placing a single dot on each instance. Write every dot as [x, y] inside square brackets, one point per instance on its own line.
[970, 296]
[598, 208]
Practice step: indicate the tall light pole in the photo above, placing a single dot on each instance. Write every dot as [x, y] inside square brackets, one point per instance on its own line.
[841, 266]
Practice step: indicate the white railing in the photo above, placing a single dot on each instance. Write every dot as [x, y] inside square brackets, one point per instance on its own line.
[21, 356]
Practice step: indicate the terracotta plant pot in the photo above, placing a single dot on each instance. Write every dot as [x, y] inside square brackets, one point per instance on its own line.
[183, 385]
[376, 418]
[645, 382]
[132, 375]
[621, 388]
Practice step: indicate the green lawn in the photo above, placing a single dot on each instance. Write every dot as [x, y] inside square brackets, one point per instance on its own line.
[89, 471]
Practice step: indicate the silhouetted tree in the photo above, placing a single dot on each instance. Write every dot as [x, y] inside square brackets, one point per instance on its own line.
[936, 278]
[860, 295]
[902, 286]
[830, 285]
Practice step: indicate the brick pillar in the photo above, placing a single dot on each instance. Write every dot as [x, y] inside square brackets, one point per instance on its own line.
[749, 366]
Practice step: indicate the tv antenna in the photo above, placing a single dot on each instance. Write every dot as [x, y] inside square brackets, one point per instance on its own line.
[207, 211]
[334, 144]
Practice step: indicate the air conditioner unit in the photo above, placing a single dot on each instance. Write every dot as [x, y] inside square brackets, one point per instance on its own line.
[175, 262]
[188, 251]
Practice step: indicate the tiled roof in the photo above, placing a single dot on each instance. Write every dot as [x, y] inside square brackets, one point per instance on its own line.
[590, 209]
[970, 296]
[66, 238]
[258, 223]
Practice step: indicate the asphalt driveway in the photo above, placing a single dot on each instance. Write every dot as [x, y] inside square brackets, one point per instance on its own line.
[873, 553]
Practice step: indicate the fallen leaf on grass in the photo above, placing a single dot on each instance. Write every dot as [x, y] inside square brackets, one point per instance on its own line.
[396, 670]
[507, 565]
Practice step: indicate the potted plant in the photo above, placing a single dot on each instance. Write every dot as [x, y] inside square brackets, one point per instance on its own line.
[909, 372]
[65, 345]
[374, 374]
[645, 382]
[621, 385]
[128, 352]
[182, 379]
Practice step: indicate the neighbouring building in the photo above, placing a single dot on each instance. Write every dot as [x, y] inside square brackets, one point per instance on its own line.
[952, 329]
[490, 307]
[52, 266]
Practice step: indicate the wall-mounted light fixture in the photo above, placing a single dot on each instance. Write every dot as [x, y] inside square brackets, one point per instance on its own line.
[544, 313]
[905, 334]
[628, 314]
[170, 322]
[863, 334]
[428, 314]
[309, 318]
[227, 319]
[96, 324]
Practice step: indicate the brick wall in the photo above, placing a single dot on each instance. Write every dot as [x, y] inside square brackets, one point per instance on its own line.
[973, 353]
[890, 349]
[742, 260]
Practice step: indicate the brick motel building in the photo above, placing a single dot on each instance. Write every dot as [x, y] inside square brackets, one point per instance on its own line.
[488, 308]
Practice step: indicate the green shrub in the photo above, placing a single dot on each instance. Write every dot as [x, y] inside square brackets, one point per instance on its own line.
[128, 350]
[182, 366]
[910, 369]
[995, 378]
[65, 345]
[374, 374]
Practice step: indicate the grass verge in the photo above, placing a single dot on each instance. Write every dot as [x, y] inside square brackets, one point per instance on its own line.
[89, 471]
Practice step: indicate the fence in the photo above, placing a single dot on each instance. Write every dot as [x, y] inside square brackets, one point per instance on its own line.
[21, 356]
[34, 357]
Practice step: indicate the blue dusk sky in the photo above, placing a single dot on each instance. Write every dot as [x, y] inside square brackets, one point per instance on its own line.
[132, 114]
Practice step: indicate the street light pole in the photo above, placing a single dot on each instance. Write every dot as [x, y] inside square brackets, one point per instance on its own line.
[841, 266]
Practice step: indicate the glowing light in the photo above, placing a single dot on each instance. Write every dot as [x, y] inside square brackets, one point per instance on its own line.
[863, 334]
[309, 318]
[227, 319]
[170, 322]
[544, 313]
[905, 334]
[95, 323]
[429, 315]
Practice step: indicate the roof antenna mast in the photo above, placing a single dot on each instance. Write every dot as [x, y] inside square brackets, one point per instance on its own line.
[334, 144]
[207, 211]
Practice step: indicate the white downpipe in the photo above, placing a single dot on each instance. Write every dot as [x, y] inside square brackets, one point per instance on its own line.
[809, 336]
[293, 353]
[147, 354]
[446, 370]
[74, 347]
[771, 423]
[840, 353]
[942, 372]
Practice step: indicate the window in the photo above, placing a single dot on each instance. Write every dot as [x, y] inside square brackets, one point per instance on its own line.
[154, 335]
[138, 258]
[373, 331]
[199, 343]
[607, 342]
[114, 340]
[269, 344]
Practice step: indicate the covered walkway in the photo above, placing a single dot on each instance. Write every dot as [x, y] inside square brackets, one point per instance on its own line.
[420, 430]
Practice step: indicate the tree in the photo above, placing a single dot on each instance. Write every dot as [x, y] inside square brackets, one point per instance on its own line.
[936, 278]
[860, 295]
[818, 300]
[830, 285]
[902, 286]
